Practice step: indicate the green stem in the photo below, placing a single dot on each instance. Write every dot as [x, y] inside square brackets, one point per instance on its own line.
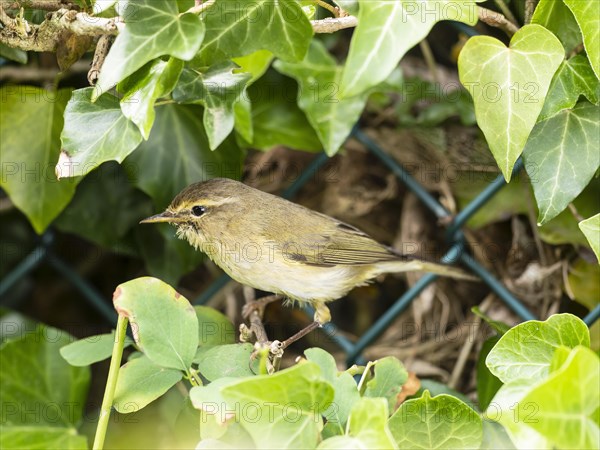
[111, 383]
[506, 11]
[364, 376]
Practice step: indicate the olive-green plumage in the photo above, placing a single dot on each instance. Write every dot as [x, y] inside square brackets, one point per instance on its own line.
[274, 245]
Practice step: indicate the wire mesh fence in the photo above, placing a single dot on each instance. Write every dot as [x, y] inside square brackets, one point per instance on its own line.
[43, 253]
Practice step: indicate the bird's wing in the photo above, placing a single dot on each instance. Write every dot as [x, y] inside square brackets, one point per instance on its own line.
[341, 244]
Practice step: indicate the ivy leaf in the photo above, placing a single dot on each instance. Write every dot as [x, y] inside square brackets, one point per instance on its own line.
[345, 390]
[276, 117]
[178, 154]
[319, 77]
[144, 87]
[34, 378]
[525, 351]
[94, 133]
[235, 30]
[255, 64]
[591, 228]
[587, 15]
[441, 422]
[153, 28]
[154, 310]
[41, 438]
[387, 382]
[556, 17]
[214, 328]
[117, 195]
[217, 89]
[91, 349]
[387, 30]
[567, 402]
[508, 86]
[229, 360]
[27, 158]
[367, 427]
[561, 157]
[288, 406]
[573, 78]
[141, 382]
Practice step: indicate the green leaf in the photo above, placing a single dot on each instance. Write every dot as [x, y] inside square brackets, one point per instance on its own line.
[153, 29]
[91, 349]
[276, 117]
[508, 86]
[591, 228]
[178, 154]
[582, 282]
[436, 388]
[27, 158]
[387, 382]
[282, 410]
[435, 423]
[14, 54]
[163, 322]
[556, 17]
[587, 15]
[41, 438]
[232, 360]
[218, 90]
[367, 427]
[141, 382]
[345, 390]
[144, 87]
[561, 157]
[235, 30]
[387, 30]
[319, 77]
[504, 409]
[34, 378]
[214, 328]
[567, 403]
[525, 351]
[256, 64]
[573, 78]
[117, 195]
[495, 437]
[487, 383]
[94, 133]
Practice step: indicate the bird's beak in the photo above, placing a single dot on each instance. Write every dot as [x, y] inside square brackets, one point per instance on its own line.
[166, 216]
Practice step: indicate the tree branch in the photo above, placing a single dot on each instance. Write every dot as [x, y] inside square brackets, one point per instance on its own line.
[46, 36]
[333, 24]
[45, 5]
[497, 20]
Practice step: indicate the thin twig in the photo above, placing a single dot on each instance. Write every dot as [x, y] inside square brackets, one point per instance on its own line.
[530, 6]
[256, 325]
[465, 351]
[429, 59]
[332, 9]
[506, 11]
[333, 24]
[102, 48]
[497, 20]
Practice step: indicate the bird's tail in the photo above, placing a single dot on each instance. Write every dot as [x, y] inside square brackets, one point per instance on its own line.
[425, 266]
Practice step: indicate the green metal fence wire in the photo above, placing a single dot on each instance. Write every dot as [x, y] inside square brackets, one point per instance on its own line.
[454, 236]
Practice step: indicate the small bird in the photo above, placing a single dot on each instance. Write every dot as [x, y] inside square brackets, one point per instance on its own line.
[274, 245]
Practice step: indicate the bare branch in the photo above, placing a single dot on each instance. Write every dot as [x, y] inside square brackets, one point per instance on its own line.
[497, 20]
[46, 36]
[530, 6]
[333, 24]
[45, 5]
[102, 48]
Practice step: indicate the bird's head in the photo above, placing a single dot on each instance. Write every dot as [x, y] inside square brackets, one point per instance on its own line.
[201, 209]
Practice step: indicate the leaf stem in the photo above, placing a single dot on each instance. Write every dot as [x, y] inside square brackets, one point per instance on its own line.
[506, 11]
[364, 376]
[198, 9]
[323, 4]
[111, 383]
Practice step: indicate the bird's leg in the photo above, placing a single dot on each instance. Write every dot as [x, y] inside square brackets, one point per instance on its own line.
[259, 305]
[321, 317]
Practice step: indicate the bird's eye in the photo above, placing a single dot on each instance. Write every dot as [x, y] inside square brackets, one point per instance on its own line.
[198, 210]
